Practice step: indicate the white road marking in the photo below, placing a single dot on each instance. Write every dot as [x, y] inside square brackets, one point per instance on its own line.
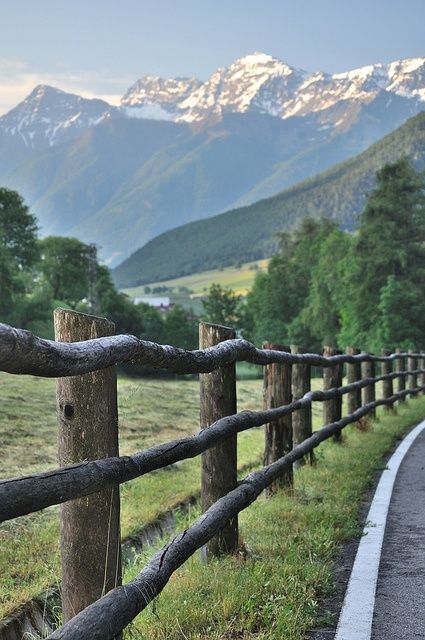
[355, 620]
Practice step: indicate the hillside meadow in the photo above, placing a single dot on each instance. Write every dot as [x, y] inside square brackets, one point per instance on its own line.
[238, 278]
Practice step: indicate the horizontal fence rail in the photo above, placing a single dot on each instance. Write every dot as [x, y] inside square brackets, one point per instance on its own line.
[23, 353]
[25, 495]
[107, 617]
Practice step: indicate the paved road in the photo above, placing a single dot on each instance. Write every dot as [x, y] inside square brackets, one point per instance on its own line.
[399, 612]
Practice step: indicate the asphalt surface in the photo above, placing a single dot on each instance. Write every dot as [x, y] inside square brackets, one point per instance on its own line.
[399, 612]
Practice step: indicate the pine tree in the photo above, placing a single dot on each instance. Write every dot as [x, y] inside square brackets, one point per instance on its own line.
[390, 242]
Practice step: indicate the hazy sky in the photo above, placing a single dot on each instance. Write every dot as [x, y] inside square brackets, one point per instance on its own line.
[99, 47]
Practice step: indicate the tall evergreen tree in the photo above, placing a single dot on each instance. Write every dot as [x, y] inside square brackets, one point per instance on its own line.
[390, 242]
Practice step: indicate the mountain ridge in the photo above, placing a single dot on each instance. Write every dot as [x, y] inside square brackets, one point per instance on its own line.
[119, 176]
[249, 233]
[256, 82]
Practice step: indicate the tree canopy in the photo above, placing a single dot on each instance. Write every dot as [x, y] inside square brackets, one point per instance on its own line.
[326, 286]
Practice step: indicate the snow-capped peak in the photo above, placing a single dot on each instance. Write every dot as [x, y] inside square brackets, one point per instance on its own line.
[49, 115]
[258, 60]
[157, 98]
[259, 82]
[255, 83]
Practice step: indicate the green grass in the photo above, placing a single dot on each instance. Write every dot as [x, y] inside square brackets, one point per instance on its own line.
[274, 588]
[151, 411]
[239, 279]
[289, 529]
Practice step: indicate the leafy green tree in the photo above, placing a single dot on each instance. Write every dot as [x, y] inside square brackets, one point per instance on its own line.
[323, 309]
[402, 310]
[18, 230]
[64, 265]
[221, 306]
[181, 328]
[279, 306]
[390, 242]
[18, 252]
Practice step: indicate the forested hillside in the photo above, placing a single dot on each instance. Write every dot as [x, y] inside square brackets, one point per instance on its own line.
[250, 233]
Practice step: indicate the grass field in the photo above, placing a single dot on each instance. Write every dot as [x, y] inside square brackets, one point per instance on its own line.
[151, 411]
[273, 588]
[238, 279]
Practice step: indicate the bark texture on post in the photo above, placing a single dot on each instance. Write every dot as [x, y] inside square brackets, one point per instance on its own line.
[387, 385]
[88, 430]
[421, 364]
[400, 365]
[301, 419]
[332, 378]
[411, 366]
[219, 464]
[368, 371]
[278, 434]
[354, 373]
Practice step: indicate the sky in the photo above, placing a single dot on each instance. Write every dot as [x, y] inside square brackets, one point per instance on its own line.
[100, 47]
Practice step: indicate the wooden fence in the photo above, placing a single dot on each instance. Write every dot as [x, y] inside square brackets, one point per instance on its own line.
[83, 357]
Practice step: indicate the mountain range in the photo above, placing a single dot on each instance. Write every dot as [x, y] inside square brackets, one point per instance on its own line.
[179, 150]
[250, 233]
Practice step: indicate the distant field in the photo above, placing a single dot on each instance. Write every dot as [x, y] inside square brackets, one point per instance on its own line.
[238, 279]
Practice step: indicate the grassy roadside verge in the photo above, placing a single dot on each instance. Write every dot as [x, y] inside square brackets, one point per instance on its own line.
[273, 590]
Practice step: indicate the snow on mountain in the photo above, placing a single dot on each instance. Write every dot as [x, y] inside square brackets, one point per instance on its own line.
[49, 116]
[157, 98]
[256, 83]
[263, 84]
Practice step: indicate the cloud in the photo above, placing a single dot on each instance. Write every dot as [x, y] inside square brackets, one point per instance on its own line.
[17, 80]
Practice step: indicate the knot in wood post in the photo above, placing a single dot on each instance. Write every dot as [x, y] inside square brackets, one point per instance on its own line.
[400, 367]
[332, 378]
[218, 464]
[88, 430]
[277, 392]
[301, 419]
[354, 374]
[369, 395]
[387, 385]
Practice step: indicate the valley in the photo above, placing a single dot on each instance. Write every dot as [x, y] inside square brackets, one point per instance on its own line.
[238, 278]
[180, 150]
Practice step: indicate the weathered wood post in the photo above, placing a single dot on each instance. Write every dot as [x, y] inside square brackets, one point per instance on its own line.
[302, 419]
[332, 378]
[219, 464]
[400, 367]
[422, 375]
[411, 366]
[278, 434]
[88, 430]
[354, 373]
[387, 385]
[368, 371]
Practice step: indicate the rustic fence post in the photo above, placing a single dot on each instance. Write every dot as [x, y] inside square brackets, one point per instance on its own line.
[301, 419]
[400, 367]
[332, 378]
[219, 464]
[278, 434]
[354, 374]
[88, 430]
[411, 366]
[387, 385]
[368, 371]
[422, 375]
